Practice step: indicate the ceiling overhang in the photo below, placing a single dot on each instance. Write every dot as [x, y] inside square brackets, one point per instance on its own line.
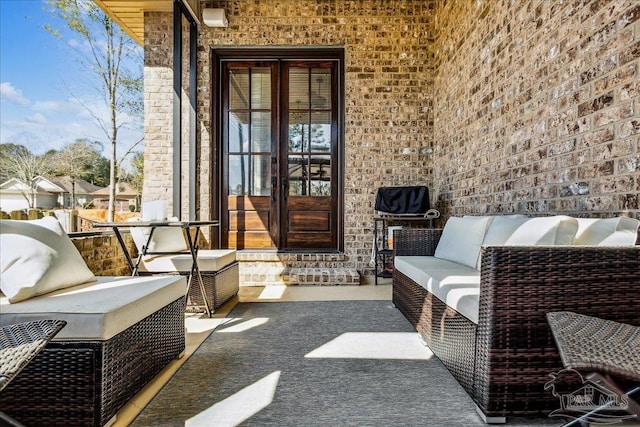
[129, 14]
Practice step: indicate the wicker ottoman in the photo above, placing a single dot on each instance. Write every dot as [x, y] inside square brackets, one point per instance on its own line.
[218, 268]
[219, 286]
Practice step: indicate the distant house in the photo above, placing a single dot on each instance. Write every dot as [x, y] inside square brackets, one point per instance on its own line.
[17, 195]
[84, 191]
[126, 196]
[52, 193]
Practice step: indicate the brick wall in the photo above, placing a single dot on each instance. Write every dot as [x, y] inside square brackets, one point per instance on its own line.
[529, 106]
[158, 108]
[536, 107]
[103, 254]
[388, 117]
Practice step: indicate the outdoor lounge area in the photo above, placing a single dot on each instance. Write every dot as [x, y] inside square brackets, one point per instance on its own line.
[268, 289]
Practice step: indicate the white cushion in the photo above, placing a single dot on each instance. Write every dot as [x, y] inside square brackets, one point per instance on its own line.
[621, 231]
[98, 310]
[552, 230]
[37, 257]
[454, 284]
[208, 260]
[461, 239]
[500, 230]
[164, 239]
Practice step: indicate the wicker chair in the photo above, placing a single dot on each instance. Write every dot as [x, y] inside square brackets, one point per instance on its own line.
[609, 354]
[504, 360]
[19, 345]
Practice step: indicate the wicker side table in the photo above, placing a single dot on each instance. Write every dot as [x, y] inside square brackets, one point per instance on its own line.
[20, 344]
[609, 351]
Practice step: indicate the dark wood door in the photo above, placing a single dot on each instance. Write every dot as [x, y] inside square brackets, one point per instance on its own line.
[280, 148]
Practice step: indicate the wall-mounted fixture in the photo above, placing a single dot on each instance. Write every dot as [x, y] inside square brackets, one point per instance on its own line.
[214, 18]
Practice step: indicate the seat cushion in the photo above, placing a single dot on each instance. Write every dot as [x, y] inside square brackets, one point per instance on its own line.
[208, 260]
[37, 257]
[620, 231]
[454, 284]
[98, 310]
[462, 238]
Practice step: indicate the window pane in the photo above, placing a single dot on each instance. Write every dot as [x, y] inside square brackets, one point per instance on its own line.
[239, 89]
[298, 88]
[298, 132]
[297, 175]
[321, 132]
[261, 185]
[238, 175]
[261, 88]
[320, 175]
[260, 132]
[320, 88]
[238, 132]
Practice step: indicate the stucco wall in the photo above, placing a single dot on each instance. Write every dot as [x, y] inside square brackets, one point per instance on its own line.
[530, 106]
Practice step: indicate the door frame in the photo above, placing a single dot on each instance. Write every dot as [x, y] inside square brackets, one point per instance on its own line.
[222, 54]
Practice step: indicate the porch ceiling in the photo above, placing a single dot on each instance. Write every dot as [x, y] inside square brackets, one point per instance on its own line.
[129, 14]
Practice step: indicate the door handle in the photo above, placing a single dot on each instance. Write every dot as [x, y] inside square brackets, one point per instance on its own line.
[285, 187]
[274, 187]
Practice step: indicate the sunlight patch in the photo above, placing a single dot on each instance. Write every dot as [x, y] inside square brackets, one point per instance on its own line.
[374, 345]
[246, 325]
[198, 325]
[273, 292]
[239, 406]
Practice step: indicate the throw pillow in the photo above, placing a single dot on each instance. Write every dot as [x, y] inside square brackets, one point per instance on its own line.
[620, 231]
[38, 257]
[552, 230]
[164, 239]
[461, 239]
[500, 230]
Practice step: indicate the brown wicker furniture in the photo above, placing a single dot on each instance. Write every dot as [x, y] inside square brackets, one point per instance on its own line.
[504, 360]
[19, 344]
[85, 381]
[607, 352]
[189, 247]
[219, 287]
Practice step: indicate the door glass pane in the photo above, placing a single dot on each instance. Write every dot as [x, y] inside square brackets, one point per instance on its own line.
[299, 88]
[321, 132]
[298, 132]
[261, 88]
[320, 88]
[239, 89]
[261, 185]
[297, 175]
[238, 175]
[320, 176]
[238, 132]
[261, 132]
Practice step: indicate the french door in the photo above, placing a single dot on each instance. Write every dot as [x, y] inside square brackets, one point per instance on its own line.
[280, 154]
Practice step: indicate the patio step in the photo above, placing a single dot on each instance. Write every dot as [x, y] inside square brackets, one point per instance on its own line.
[293, 269]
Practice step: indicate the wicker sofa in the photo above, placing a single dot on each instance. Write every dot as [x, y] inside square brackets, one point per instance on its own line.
[503, 352]
[120, 331]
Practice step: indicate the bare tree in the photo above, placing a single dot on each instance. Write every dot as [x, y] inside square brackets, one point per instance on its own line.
[18, 162]
[75, 160]
[104, 53]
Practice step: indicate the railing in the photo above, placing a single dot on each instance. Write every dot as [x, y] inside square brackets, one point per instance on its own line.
[71, 221]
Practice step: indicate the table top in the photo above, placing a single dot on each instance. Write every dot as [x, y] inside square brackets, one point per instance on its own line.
[595, 344]
[157, 223]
